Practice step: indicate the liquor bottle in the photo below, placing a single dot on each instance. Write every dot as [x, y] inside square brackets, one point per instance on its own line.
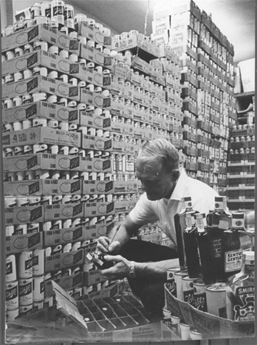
[211, 243]
[182, 220]
[243, 287]
[232, 246]
[191, 245]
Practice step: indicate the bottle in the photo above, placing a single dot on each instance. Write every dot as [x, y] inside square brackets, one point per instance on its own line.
[191, 245]
[243, 287]
[232, 246]
[182, 221]
[210, 244]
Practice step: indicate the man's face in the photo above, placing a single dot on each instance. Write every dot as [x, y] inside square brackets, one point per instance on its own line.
[156, 182]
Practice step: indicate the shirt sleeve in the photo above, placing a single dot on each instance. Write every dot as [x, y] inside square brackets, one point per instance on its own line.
[205, 203]
[143, 212]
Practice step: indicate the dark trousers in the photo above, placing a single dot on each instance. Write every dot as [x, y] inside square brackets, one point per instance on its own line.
[149, 289]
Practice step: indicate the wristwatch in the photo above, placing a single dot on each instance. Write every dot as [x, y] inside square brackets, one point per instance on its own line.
[132, 271]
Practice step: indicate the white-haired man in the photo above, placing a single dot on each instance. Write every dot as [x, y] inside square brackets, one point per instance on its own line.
[165, 185]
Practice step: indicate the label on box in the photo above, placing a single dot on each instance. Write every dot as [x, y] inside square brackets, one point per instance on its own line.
[95, 187]
[24, 214]
[20, 243]
[62, 211]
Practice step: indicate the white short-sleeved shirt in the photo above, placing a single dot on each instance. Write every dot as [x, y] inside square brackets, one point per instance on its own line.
[164, 210]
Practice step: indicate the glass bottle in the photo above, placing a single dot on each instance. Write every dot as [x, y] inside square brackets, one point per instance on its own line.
[181, 219]
[243, 287]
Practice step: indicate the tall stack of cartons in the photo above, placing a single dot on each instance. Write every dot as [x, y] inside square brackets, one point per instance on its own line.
[146, 94]
[207, 86]
[241, 157]
[58, 173]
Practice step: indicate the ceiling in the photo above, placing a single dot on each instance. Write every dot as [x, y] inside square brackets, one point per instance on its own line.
[235, 18]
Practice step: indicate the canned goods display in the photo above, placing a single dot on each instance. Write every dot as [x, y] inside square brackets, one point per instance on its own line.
[218, 300]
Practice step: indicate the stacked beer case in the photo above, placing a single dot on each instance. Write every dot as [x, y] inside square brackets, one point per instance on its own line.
[207, 86]
[146, 94]
[241, 158]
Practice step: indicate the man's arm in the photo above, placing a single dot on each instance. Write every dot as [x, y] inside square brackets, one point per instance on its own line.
[122, 267]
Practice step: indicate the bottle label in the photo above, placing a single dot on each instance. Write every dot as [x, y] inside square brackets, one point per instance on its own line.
[245, 311]
[189, 296]
[233, 260]
[216, 248]
[200, 301]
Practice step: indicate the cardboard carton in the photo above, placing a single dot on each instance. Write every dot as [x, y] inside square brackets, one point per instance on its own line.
[64, 260]
[41, 110]
[20, 243]
[63, 211]
[24, 214]
[97, 187]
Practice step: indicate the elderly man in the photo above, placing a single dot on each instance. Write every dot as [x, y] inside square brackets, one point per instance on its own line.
[165, 185]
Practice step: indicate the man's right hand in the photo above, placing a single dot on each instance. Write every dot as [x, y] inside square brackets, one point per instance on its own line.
[104, 245]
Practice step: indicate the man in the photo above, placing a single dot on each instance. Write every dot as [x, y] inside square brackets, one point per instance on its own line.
[164, 184]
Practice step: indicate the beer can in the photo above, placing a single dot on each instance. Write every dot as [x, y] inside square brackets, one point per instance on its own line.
[25, 308]
[178, 280]
[12, 295]
[12, 314]
[9, 230]
[218, 301]
[188, 289]
[184, 331]
[38, 288]
[25, 265]
[200, 295]
[11, 273]
[195, 334]
[38, 304]
[38, 262]
[25, 292]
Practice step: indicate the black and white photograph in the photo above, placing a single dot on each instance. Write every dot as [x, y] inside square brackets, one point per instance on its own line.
[127, 165]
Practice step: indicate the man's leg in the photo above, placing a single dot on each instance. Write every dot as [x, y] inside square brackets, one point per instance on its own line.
[149, 289]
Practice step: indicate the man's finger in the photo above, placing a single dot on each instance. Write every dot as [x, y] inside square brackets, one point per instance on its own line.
[102, 248]
[115, 258]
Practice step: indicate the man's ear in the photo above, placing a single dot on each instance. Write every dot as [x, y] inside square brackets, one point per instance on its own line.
[175, 174]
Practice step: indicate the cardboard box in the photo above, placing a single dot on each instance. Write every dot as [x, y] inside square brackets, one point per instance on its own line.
[93, 209]
[97, 187]
[40, 32]
[65, 304]
[65, 235]
[46, 135]
[93, 34]
[89, 119]
[41, 109]
[95, 164]
[41, 58]
[129, 186]
[24, 215]
[94, 77]
[64, 260]
[40, 83]
[95, 99]
[96, 143]
[20, 243]
[63, 211]
[93, 277]
[42, 187]
[45, 161]
[71, 282]
[92, 54]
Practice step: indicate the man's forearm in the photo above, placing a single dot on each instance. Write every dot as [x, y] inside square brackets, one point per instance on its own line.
[119, 233]
[158, 268]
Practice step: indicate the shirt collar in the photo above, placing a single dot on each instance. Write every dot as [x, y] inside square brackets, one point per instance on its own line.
[180, 188]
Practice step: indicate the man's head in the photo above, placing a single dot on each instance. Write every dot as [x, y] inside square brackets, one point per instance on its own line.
[157, 167]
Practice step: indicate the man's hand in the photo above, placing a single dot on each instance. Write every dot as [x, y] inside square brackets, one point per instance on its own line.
[119, 270]
[104, 245]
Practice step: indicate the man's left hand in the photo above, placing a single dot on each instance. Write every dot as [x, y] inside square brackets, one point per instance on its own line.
[119, 270]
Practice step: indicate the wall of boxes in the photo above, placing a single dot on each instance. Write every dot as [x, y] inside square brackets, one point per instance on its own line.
[207, 79]
[241, 157]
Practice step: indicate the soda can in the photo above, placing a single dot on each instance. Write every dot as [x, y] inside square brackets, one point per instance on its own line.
[178, 280]
[195, 334]
[188, 289]
[184, 331]
[38, 288]
[9, 230]
[12, 295]
[38, 262]
[11, 273]
[33, 228]
[25, 292]
[25, 265]
[200, 295]
[218, 301]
